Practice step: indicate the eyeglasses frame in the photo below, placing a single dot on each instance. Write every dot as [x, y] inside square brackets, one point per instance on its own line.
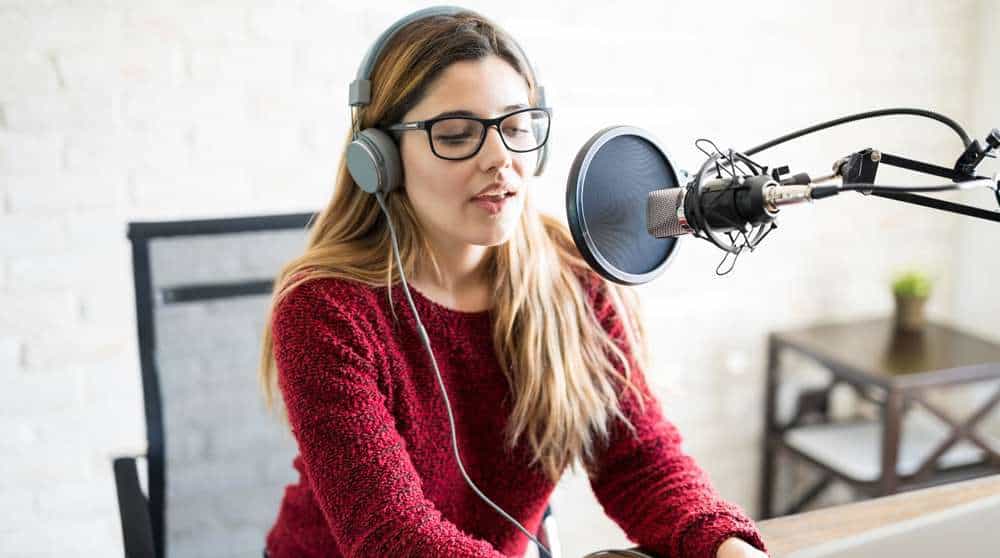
[487, 123]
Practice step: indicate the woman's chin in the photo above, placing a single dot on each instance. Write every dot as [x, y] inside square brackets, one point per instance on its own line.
[498, 234]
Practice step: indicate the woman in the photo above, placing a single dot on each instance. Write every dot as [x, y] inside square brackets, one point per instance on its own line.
[541, 358]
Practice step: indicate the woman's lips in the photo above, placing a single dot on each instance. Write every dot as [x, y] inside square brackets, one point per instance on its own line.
[492, 204]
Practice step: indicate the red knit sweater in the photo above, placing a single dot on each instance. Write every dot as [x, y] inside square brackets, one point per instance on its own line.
[378, 478]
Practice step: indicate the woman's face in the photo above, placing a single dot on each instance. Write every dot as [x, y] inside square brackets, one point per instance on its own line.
[440, 190]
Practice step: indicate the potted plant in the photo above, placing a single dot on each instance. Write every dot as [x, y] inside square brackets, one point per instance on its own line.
[911, 290]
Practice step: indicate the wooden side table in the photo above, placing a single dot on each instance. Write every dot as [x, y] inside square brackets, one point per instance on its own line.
[894, 370]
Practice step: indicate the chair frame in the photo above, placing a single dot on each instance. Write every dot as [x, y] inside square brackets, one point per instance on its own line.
[140, 234]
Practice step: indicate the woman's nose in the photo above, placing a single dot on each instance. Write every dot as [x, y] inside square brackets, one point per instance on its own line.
[494, 154]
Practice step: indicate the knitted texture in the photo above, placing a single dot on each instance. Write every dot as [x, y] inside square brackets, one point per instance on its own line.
[377, 473]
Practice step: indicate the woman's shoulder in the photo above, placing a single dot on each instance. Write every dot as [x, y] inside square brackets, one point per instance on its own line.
[595, 287]
[610, 305]
[336, 297]
[346, 290]
[318, 310]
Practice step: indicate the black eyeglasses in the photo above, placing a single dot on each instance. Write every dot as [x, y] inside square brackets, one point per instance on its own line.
[460, 137]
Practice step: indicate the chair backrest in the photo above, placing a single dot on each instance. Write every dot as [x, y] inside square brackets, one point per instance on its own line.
[217, 460]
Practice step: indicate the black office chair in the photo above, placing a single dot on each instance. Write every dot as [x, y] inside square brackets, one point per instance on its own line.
[216, 462]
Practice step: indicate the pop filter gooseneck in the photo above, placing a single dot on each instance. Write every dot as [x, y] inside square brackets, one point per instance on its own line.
[609, 184]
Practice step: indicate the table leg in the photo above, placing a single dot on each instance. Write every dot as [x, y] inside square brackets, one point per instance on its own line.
[892, 418]
[770, 430]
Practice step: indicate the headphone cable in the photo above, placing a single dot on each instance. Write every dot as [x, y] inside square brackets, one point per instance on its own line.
[444, 393]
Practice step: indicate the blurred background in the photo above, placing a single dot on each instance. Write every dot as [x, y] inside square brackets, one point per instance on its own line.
[114, 111]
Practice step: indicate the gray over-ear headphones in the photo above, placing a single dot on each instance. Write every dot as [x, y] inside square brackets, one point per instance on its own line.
[373, 156]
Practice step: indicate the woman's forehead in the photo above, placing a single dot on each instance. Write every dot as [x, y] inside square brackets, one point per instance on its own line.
[485, 87]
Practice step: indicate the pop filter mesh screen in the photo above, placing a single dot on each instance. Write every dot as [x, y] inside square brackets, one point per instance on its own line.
[613, 196]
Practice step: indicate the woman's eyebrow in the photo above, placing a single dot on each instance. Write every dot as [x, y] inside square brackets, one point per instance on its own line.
[470, 113]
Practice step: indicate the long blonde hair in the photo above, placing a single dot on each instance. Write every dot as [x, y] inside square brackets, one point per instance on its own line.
[560, 363]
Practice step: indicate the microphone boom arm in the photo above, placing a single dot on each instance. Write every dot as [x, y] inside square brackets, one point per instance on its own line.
[861, 167]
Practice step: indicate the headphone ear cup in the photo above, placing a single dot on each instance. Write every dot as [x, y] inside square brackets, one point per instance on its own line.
[543, 155]
[373, 161]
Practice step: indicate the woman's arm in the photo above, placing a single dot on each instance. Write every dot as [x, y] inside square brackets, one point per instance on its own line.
[658, 495]
[355, 459]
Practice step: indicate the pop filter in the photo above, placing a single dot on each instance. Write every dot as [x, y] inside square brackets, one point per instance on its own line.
[606, 198]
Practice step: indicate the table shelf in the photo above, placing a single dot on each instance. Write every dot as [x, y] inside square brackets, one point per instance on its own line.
[854, 448]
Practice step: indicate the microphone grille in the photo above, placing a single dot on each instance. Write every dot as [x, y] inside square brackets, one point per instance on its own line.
[661, 213]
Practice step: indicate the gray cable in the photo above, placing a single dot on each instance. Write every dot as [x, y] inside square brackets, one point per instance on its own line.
[444, 392]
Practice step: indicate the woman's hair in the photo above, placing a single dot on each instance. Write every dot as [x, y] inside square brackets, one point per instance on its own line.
[559, 361]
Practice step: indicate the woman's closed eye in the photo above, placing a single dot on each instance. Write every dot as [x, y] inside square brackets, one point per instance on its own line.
[514, 131]
[454, 139]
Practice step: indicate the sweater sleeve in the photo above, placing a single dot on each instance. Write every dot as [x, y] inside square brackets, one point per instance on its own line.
[355, 459]
[654, 491]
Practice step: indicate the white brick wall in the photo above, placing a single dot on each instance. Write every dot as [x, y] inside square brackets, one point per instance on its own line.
[977, 269]
[114, 110]
[975, 297]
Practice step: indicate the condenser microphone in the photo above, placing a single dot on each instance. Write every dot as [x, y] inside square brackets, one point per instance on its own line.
[721, 205]
[628, 205]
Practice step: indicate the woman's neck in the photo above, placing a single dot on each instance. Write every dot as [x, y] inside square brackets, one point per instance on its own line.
[467, 299]
[461, 266]
[462, 283]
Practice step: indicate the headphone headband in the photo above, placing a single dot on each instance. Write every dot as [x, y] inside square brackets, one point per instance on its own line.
[361, 87]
